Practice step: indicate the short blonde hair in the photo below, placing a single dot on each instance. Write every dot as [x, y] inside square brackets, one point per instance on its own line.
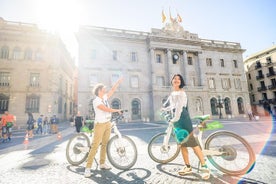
[97, 88]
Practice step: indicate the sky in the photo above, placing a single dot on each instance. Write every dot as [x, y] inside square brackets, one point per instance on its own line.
[252, 23]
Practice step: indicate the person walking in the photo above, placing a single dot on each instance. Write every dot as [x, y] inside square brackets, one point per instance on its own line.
[45, 125]
[181, 120]
[78, 122]
[7, 121]
[39, 124]
[102, 128]
[54, 124]
[30, 125]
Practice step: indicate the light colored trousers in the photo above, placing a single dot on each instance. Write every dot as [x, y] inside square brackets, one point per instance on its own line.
[102, 133]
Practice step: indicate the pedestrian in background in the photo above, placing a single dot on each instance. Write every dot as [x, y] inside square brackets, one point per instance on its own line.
[39, 124]
[181, 119]
[7, 121]
[78, 122]
[102, 128]
[54, 124]
[46, 125]
[30, 125]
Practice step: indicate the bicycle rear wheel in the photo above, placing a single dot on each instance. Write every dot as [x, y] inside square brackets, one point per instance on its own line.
[237, 157]
[161, 153]
[77, 149]
[121, 152]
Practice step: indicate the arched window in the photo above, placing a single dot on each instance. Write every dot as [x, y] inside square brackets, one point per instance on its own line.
[227, 105]
[116, 104]
[4, 103]
[28, 54]
[136, 109]
[198, 105]
[16, 53]
[5, 52]
[214, 108]
[240, 105]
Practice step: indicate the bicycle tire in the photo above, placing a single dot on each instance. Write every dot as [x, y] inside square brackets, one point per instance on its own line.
[121, 152]
[74, 155]
[235, 147]
[156, 144]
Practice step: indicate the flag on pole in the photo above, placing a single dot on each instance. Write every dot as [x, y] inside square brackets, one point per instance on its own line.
[163, 16]
[179, 18]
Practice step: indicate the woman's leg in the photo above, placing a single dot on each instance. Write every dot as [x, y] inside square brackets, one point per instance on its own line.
[185, 155]
[199, 154]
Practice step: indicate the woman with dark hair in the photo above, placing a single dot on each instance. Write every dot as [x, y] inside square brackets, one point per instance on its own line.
[181, 120]
[30, 125]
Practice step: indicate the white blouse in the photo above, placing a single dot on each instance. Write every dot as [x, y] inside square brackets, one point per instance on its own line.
[178, 100]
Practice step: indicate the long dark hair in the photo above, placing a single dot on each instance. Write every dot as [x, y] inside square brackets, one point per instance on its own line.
[182, 83]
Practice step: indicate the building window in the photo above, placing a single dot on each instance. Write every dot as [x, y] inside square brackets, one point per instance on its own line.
[114, 78]
[59, 104]
[115, 55]
[16, 53]
[237, 83]
[222, 62]
[32, 103]
[209, 62]
[38, 55]
[134, 82]
[249, 76]
[133, 56]
[225, 83]
[93, 79]
[251, 87]
[227, 105]
[268, 60]
[5, 52]
[240, 105]
[235, 62]
[211, 82]
[34, 79]
[253, 98]
[190, 61]
[160, 81]
[28, 54]
[158, 58]
[5, 79]
[4, 103]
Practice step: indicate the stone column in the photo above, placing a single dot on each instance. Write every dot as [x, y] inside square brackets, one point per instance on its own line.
[200, 76]
[152, 61]
[151, 76]
[167, 66]
[183, 66]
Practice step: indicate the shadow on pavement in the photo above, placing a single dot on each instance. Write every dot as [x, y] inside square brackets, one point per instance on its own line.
[132, 176]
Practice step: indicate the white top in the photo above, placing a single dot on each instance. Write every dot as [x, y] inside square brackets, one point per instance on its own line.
[100, 115]
[178, 100]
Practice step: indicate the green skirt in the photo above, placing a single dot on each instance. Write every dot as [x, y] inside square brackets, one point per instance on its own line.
[185, 123]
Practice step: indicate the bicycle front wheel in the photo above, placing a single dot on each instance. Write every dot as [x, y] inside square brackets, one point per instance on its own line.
[236, 155]
[77, 149]
[161, 153]
[121, 152]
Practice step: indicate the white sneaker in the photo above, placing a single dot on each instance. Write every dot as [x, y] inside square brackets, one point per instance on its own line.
[205, 173]
[87, 173]
[105, 166]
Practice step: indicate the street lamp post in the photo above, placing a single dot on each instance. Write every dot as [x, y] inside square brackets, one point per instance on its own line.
[220, 106]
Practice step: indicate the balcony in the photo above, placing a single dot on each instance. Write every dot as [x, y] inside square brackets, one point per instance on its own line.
[271, 87]
[270, 74]
[258, 65]
[263, 88]
[260, 76]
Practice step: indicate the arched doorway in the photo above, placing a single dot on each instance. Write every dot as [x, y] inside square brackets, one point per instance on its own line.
[240, 105]
[227, 105]
[214, 108]
[116, 104]
[135, 109]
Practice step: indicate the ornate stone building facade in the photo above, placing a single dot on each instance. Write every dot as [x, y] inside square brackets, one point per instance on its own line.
[261, 76]
[36, 72]
[213, 70]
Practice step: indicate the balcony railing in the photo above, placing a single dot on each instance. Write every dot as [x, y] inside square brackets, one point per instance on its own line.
[270, 74]
[263, 88]
[258, 65]
[270, 87]
[260, 76]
